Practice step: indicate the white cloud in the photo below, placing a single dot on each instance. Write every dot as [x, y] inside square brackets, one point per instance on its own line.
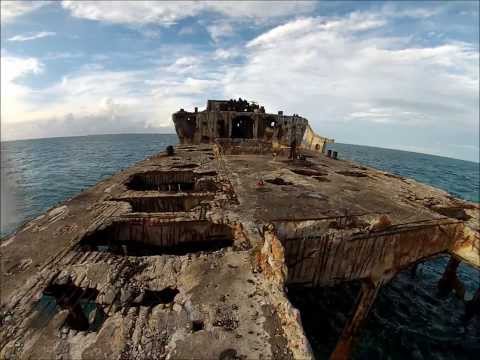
[302, 26]
[169, 12]
[10, 10]
[185, 64]
[96, 100]
[35, 36]
[79, 124]
[350, 84]
[227, 54]
[220, 29]
[16, 67]
[283, 32]
[131, 12]
[259, 9]
[189, 86]
[14, 96]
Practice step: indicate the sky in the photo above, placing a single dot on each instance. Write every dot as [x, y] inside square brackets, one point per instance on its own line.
[402, 75]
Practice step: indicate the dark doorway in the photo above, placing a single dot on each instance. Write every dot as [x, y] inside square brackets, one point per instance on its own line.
[266, 127]
[221, 130]
[242, 127]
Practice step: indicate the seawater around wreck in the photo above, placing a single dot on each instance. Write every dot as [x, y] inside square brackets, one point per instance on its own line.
[41, 173]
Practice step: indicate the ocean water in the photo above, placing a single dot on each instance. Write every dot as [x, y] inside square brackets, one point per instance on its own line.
[37, 174]
[458, 177]
[407, 321]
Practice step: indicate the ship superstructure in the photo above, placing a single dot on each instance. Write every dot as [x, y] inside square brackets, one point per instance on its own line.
[237, 121]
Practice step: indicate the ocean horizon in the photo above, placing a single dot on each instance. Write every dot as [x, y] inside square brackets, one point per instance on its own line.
[173, 133]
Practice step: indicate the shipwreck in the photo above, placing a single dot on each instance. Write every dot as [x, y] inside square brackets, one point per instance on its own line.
[190, 253]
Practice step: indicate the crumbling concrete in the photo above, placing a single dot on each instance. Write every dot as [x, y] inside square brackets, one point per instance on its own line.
[188, 253]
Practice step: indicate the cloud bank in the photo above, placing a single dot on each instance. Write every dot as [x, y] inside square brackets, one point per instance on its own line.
[169, 12]
[10, 10]
[352, 75]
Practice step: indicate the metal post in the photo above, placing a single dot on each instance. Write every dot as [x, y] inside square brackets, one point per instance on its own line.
[365, 300]
[450, 280]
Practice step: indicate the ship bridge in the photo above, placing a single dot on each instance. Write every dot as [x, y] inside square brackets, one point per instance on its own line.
[239, 123]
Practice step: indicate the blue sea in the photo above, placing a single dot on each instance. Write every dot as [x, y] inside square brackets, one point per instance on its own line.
[37, 174]
[407, 321]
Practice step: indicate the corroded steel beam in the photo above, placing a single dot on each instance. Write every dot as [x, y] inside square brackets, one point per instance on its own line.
[326, 257]
[365, 300]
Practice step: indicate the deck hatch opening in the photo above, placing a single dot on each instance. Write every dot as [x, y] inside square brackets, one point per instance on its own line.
[155, 297]
[152, 204]
[185, 166]
[172, 181]
[309, 172]
[150, 236]
[278, 181]
[352, 173]
[84, 314]
[197, 325]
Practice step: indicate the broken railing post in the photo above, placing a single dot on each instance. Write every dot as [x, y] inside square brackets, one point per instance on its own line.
[365, 300]
[450, 280]
[170, 150]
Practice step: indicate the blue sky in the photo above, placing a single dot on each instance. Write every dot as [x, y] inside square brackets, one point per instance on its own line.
[401, 75]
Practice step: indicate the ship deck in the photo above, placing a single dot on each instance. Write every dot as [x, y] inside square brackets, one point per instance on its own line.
[189, 255]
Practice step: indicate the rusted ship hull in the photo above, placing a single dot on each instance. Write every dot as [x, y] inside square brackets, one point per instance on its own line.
[187, 255]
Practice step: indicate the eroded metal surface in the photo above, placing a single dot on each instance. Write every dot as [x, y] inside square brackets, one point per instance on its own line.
[190, 253]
